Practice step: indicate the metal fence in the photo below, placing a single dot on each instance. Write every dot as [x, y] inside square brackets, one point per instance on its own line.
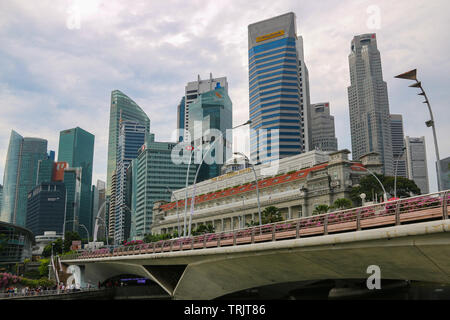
[4, 295]
[408, 210]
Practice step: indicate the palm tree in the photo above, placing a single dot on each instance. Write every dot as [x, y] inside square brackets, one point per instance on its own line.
[269, 215]
[342, 203]
[321, 208]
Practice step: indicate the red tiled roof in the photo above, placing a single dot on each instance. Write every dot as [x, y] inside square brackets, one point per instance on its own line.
[250, 186]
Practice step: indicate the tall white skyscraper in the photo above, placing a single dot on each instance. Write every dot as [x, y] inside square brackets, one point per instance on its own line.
[398, 145]
[368, 101]
[416, 159]
[279, 89]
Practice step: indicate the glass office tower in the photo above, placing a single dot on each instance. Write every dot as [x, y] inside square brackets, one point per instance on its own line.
[154, 174]
[45, 208]
[278, 90]
[122, 107]
[76, 147]
[131, 138]
[20, 176]
[72, 181]
[211, 110]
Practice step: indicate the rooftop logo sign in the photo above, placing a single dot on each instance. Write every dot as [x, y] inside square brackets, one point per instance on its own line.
[270, 36]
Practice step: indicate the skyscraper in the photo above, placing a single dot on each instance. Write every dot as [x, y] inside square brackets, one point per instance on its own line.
[279, 89]
[416, 159]
[122, 107]
[131, 138]
[154, 174]
[45, 208]
[192, 91]
[111, 219]
[98, 199]
[181, 116]
[76, 147]
[211, 110]
[323, 136]
[368, 102]
[445, 173]
[72, 182]
[398, 145]
[45, 169]
[20, 176]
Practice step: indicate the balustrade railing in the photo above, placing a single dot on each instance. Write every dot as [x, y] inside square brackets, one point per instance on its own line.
[407, 210]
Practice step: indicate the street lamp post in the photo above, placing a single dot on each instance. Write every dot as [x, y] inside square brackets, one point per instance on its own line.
[256, 181]
[186, 191]
[395, 174]
[412, 75]
[198, 170]
[178, 217]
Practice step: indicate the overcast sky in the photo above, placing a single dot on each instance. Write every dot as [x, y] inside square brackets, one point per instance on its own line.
[60, 60]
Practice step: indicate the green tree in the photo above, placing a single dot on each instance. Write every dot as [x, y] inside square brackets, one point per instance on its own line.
[70, 236]
[370, 186]
[269, 215]
[57, 248]
[342, 203]
[148, 238]
[203, 229]
[321, 208]
[43, 267]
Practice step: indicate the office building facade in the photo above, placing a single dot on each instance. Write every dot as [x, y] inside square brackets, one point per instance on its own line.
[98, 208]
[122, 107]
[131, 138]
[72, 182]
[445, 173]
[181, 118]
[20, 176]
[368, 102]
[154, 175]
[416, 162]
[46, 206]
[398, 145]
[76, 147]
[323, 135]
[192, 91]
[211, 115]
[279, 89]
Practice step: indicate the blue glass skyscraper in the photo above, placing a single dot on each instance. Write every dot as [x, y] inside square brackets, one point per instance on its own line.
[76, 147]
[20, 176]
[278, 89]
[131, 138]
[211, 110]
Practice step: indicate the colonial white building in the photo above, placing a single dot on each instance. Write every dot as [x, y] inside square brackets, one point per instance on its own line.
[296, 186]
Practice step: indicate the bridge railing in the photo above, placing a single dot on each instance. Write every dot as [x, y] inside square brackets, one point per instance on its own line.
[406, 210]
